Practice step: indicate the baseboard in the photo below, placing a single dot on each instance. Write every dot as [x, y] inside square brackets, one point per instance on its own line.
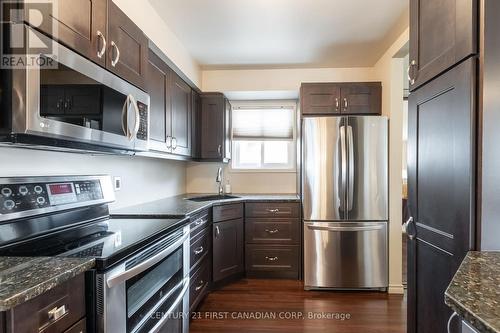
[396, 289]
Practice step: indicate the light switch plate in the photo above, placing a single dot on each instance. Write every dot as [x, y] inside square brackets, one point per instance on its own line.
[117, 183]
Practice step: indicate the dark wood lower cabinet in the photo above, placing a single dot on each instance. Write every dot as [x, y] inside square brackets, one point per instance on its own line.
[441, 187]
[272, 261]
[33, 316]
[228, 242]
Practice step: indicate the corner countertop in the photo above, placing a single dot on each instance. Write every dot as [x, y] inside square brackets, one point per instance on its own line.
[24, 278]
[179, 207]
[474, 292]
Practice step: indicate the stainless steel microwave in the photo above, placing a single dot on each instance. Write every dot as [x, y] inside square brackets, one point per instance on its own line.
[72, 100]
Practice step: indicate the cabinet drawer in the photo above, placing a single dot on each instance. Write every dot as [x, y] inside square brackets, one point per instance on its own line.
[200, 245]
[227, 212]
[199, 284]
[80, 327]
[272, 261]
[272, 209]
[199, 221]
[276, 231]
[34, 315]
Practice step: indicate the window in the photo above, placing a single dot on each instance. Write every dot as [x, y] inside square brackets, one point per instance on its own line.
[264, 137]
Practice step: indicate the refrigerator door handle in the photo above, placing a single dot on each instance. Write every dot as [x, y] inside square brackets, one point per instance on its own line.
[343, 171]
[346, 228]
[350, 144]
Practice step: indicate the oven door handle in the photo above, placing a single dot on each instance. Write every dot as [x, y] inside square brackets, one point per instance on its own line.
[136, 270]
[167, 315]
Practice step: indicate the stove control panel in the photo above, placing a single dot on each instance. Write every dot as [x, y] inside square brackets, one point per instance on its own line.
[22, 197]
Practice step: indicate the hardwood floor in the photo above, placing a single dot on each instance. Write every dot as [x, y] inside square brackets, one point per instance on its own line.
[276, 300]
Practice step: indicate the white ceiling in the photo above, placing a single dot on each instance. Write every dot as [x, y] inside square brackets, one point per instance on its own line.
[284, 33]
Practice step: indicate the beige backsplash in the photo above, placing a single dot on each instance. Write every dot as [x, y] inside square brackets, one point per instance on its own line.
[200, 178]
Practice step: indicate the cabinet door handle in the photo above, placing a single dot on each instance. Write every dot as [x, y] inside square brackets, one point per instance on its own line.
[412, 72]
[448, 326]
[200, 285]
[274, 231]
[58, 105]
[169, 142]
[337, 103]
[219, 150]
[272, 258]
[117, 58]
[406, 228]
[199, 250]
[102, 51]
[217, 231]
[174, 143]
[346, 104]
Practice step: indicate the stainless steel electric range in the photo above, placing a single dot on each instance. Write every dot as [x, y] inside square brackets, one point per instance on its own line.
[141, 278]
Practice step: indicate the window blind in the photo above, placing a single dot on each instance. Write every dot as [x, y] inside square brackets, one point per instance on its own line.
[263, 124]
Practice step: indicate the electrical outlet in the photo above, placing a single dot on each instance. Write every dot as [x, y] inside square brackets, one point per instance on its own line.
[117, 181]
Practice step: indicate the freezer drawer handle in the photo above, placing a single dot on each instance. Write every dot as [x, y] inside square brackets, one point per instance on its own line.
[370, 228]
[272, 258]
[274, 231]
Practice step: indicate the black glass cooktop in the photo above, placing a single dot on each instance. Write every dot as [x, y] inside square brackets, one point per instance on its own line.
[108, 240]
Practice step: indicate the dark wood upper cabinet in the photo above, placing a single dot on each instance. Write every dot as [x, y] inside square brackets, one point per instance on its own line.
[361, 98]
[127, 54]
[357, 98]
[195, 125]
[81, 26]
[320, 98]
[442, 33]
[158, 80]
[181, 116]
[228, 247]
[215, 127]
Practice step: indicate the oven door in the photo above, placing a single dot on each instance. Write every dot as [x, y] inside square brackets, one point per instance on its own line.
[149, 292]
[66, 96]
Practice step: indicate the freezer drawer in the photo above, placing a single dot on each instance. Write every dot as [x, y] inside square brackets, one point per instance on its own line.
[345, 255]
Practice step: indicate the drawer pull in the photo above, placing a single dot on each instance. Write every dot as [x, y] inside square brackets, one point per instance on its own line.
[200, 285]
[271, 258]
[54, 315]
[199, 250]
[274, 231]
[274, 211]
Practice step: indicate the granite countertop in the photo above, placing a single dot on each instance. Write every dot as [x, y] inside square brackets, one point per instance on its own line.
[24, 278]
[180, 207]
[474, 292]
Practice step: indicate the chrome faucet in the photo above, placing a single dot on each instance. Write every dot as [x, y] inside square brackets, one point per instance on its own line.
[218, 180]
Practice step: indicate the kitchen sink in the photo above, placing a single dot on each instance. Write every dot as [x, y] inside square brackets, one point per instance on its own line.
[213, 198]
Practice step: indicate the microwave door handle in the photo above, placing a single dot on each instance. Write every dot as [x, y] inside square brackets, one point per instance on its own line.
[168, 314]
[125, 117]
[137, 117]
[350, 144]
[136, 270]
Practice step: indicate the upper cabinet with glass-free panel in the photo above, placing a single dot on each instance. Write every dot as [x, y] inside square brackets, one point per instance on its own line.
[215, 128]
[442, 34]
[356, 98]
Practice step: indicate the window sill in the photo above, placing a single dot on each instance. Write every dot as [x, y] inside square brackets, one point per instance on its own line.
[263, 171]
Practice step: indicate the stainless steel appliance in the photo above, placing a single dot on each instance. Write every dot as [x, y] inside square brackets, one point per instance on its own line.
[345, 202]
[63, 99]
[141, 278]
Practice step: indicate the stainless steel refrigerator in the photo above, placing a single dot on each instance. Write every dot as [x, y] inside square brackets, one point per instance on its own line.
[345, 202]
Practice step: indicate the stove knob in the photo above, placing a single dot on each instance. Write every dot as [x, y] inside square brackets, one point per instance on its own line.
[23, 190]
[6, 192]
[40, 200]
[38, 189]
[9, 204]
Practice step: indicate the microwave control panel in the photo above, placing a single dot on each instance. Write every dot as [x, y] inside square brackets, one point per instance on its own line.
[144, 122]
[15, 198]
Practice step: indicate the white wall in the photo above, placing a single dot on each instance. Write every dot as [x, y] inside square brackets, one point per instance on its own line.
[142, 179]
[389, 69]
[151, 23]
